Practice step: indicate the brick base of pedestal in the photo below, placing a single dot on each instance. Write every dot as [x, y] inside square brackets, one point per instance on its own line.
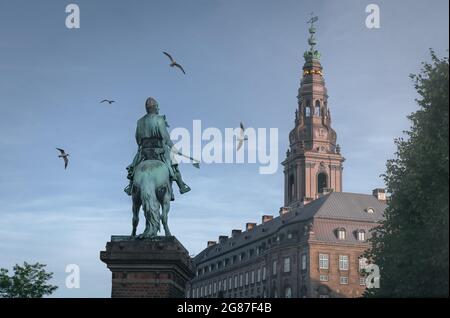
[153, 268]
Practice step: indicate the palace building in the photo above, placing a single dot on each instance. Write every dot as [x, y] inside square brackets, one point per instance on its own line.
[314, 247]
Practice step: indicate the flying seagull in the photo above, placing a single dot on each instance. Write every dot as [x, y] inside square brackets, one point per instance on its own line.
[173, 62]
[64, 156]
[108, 101]
[241, 137]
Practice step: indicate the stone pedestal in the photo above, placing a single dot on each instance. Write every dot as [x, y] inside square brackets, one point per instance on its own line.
[154, 268]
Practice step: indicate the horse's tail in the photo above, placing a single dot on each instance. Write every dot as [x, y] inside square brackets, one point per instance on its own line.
[151, 207]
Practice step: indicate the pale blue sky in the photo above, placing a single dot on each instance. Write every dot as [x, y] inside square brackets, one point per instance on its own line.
[243, 60]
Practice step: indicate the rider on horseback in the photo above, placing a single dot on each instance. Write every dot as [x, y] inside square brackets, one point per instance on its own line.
[154, 143]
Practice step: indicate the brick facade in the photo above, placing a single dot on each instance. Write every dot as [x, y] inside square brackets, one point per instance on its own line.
[151, 268]
[287, 248]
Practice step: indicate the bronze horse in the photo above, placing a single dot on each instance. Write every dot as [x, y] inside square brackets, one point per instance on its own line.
[151, 190]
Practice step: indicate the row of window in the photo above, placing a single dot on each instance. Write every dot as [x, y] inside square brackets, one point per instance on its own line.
[247, 278]
[342, 234]
[231, 282]
[243, 255]
[343, 280]
[324, 262]
[259, 275]
[257, 292]
[308, 109]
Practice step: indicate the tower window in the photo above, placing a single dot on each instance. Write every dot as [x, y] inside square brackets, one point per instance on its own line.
[321, 182]
[307, 111]
[317, 109]
[308, 108]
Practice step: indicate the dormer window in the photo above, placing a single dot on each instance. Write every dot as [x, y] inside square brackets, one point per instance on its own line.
[370, 210]
[341, 233]
[361, 235]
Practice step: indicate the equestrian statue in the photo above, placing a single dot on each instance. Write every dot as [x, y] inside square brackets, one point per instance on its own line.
[152, 172]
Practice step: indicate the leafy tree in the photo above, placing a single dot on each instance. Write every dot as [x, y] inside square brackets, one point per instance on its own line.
[28, 281]
[411, 245]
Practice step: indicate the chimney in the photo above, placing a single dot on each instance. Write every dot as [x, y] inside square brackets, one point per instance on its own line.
[284, 210]
[249, 226]
[222, 238]
[235, 232]
[380, 194]
[267, 218]
[211, 243]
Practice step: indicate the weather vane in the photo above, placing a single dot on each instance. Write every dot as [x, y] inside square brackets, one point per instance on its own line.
[313, 19]
[312, 41]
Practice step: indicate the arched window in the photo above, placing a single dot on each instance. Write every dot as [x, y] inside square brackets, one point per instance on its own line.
[341, 233]
[317, 109]
[308, 108]
[307, 111]
[322, 182]
[361, 235]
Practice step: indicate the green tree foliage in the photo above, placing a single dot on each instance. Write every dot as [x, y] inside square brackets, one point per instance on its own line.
[411, 246]
[28, 281]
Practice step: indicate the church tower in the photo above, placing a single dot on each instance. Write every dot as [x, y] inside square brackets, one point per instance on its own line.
[313, 163]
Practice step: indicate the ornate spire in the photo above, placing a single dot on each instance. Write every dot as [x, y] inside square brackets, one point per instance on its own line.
[314, 163]
[312, 53]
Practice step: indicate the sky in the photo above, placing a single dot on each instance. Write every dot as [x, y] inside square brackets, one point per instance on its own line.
[243, 61]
